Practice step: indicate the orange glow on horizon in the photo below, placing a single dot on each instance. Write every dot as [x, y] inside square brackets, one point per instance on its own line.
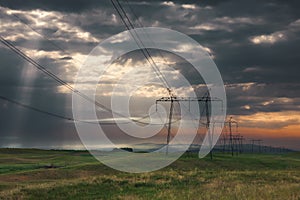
[291, 131]
[271, 125]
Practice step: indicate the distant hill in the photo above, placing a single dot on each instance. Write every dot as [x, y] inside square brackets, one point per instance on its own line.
[245, 148]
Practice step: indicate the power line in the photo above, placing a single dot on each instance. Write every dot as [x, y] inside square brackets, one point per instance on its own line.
[130, 27]
[149, 58]
[59, 48]
[64, 83]
[67, 85]
[44, 70]
[147, 35]
[39, 110]
[29, 107]
[46, 38]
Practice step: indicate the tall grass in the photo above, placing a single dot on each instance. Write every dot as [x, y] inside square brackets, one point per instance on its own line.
[79, 176]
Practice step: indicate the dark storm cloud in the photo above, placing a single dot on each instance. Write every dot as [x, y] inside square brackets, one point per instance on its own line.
[253, 98]
[227, 28]
[55, 5]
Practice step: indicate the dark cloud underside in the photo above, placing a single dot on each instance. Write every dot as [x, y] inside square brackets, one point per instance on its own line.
[255, 44]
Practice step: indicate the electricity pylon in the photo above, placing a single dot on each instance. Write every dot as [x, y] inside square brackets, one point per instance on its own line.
[234, 139]
[206, 98]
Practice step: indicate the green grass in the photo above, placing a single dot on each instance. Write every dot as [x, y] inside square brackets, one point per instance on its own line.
[40, 174]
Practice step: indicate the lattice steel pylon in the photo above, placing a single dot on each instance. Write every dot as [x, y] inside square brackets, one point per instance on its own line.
[206, 98]
[235, 139]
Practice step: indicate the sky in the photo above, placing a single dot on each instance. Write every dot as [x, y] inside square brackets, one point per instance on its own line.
[255, 45]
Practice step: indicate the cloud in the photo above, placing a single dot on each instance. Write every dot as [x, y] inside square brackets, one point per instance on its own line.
[38, 20]
[278, 36]
[238, 34]
[272, 120]
[252, 69]
[268, 39]
[168, 3]
[73, 6]
[226, 23]
[189, 6]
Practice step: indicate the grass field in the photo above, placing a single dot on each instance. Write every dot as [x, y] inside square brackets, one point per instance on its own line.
[42, 174]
